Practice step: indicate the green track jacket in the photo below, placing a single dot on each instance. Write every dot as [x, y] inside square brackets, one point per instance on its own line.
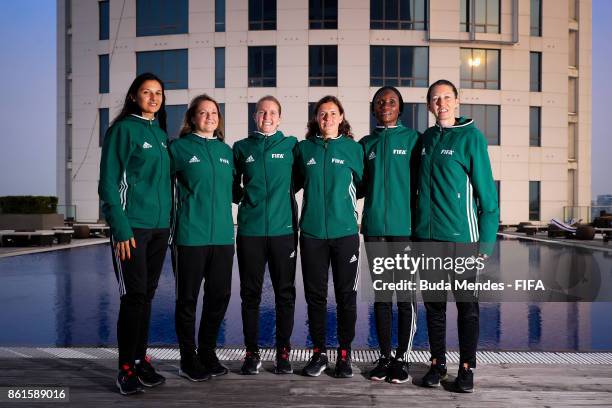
[388, 180]
[135, 177]
[204, 170]
[457, 199]
[263, 185]
[330, 172]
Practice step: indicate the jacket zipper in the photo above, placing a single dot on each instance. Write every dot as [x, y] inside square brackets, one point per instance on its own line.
[159, 178]
[212, 206]
[325, 142]
[263, 155]
[385, 162]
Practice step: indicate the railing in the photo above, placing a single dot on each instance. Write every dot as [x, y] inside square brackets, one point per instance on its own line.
[585, 213]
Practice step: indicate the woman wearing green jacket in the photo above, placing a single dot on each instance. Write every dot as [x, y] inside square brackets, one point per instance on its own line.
[456, 204]
[388, 187]
[329, 166]
[203, 238]
[267, 230]
[135, 192]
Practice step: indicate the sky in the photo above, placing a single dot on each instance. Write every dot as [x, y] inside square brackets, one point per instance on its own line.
[28, 107]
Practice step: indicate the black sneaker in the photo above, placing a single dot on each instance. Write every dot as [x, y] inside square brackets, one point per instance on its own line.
[379, 373]
[436, 373]
[252, 363]
[193, 370]
[147, 374]
[211, 363]
[465, 380]
[399, 371]
[127, 380]
[316, 365]
[343, 364]
[282, 364]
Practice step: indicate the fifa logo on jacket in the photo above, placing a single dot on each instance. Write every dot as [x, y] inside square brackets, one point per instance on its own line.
[337, 161]
[278, 156]
[399, 151]
[224, 161]
[446, 152]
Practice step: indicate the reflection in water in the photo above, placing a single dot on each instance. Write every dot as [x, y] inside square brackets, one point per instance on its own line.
[70, 298]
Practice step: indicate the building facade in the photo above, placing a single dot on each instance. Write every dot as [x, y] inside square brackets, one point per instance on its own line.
[523, 68]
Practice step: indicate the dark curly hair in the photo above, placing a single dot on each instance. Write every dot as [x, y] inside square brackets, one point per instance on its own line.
[313, 125]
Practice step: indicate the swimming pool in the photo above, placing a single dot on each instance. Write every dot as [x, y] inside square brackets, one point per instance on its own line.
[70, 298]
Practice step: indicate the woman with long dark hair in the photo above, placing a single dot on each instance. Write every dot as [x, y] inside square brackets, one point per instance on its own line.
[329, 166]
[136, 200]
[267, 230]
[388, 186]
[457, 206]
[203, 236]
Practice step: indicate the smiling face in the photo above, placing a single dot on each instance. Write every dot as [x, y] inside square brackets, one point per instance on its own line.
[386, 108]
[206, 118]
[442, 103]
[329, 119]
[149, 98]
[267, 117]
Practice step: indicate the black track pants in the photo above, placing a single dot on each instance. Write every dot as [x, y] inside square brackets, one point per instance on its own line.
[138, 278]
[316, 256]
[406, 312]
[468, 317]
[213, 264]
[280, 253]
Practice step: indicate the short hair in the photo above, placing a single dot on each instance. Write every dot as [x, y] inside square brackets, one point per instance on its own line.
[384, 89]
[441, 82]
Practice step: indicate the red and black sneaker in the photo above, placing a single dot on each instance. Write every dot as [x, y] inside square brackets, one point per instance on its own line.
[127, 380]
[147, 374]
[317, 363]
[343, 364]
[282, 365]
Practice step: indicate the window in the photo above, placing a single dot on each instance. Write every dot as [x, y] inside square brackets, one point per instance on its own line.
[220, 67]
[398, 14]
[573, 49]
[170, 66]
[161, 17]
[534, 201]
[413, 116]
[323, 65]
[572, 94]
[399, 66]
[323, 14]
[262, 66]
[174, 119]
[250, 120]
[262, 14]
[479, 68]
[573, 10]
[486, 118]
[103, 20]
[103, 124]
[536, 18]
[103, 64]
[535, 71]
[535, 137]
[571, 141]
[222, 109]
[486, 15]
[219, 16]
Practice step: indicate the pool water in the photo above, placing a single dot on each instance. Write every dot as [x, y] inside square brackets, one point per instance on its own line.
[70, 298]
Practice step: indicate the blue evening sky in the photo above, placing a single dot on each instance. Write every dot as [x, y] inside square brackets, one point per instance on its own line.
[28, 82]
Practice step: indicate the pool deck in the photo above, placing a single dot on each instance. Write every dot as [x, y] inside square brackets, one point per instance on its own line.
[6, 252]
[91, 384]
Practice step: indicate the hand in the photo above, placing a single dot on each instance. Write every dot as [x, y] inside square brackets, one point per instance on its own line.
[123, 248]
